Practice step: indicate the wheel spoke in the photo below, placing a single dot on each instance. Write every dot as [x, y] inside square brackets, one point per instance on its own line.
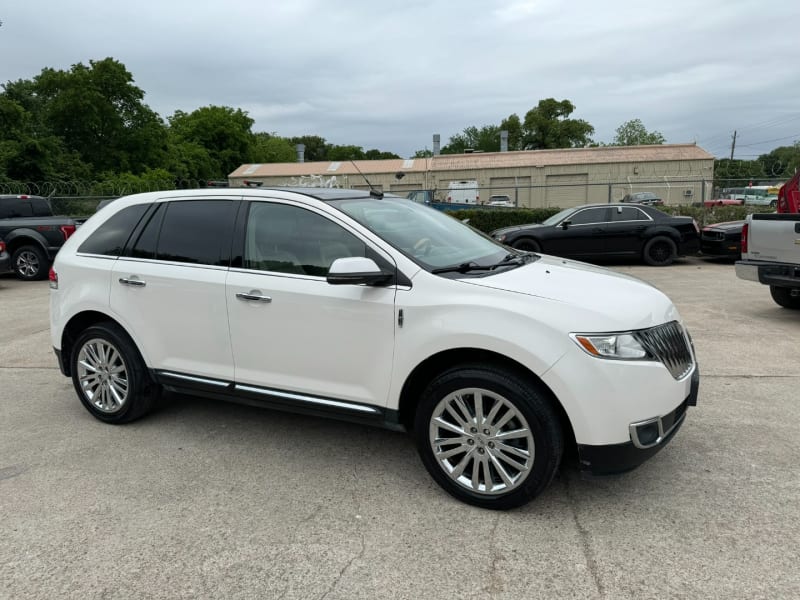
[487, 475]
[442, 454]
[478, 399]
[456, 415]
[493, 414]
[523, 454]
[509, 460]
[512, 434]
[459, 402]
[510, 414]
[476, 474]
[459, 468]
[449, 426]
[501, 470]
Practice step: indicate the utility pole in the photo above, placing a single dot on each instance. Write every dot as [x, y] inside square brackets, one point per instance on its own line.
[733, 145]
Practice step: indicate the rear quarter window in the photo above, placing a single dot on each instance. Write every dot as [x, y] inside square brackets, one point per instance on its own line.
[110, 238]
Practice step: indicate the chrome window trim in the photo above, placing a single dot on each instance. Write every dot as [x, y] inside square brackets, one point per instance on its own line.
[132, 259]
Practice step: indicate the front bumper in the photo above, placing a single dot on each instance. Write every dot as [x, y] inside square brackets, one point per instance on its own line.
[609, 459]
[769, 273]
[720, 247]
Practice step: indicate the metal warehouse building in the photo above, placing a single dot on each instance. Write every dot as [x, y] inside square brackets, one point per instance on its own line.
[677, 173]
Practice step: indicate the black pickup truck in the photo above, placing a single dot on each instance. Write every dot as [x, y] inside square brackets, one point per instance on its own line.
[32, 234]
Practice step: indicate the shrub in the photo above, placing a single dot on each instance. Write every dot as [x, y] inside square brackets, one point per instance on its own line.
[489, 219]
[715, 214]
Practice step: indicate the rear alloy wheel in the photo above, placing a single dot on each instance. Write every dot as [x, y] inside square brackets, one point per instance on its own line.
[783, 297]
[30, 263]
[109, 375]
[488, 437]
[527, 245]
[660, 251]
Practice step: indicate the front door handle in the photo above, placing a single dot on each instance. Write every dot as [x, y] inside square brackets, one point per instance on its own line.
[254, 295]
[133, 282]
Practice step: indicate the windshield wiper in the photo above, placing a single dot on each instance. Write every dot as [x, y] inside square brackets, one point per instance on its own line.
[508, 260]
[462, 268]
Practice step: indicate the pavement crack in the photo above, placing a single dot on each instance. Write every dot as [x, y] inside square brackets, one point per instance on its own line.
[494, 582]
[585, 539]
[362, 540]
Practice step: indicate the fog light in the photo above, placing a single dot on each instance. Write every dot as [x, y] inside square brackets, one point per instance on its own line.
[647, 434]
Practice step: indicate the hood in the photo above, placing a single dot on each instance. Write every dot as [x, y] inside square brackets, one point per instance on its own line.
[727, 226]
[620, 302]
[507, 230]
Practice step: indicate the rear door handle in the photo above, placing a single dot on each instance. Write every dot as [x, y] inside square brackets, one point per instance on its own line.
[133, 282]
[254, 295]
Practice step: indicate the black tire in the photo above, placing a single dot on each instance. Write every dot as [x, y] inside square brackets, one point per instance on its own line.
[660, 251]
[141, 392]
[527, 245]
[30, 263]
[783, 297]
[517, 396]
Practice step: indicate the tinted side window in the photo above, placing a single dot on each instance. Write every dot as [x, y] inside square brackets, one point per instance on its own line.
[145, 246]
[628, 213]
[589, 215]
[288, 239]
[16, 207]
[194, 231]
[41, 208]
[110, 237]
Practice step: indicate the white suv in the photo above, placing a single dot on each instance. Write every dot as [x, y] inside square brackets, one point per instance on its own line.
[378, 310]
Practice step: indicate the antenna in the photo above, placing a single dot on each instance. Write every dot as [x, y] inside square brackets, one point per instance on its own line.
[372, 191]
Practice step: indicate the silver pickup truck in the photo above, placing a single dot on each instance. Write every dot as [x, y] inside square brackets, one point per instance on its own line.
[771, 255]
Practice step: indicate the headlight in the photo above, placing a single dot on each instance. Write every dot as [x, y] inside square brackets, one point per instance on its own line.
[614, 345]
[501, 237]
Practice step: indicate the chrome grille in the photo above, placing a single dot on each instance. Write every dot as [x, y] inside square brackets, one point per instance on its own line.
[668, 343]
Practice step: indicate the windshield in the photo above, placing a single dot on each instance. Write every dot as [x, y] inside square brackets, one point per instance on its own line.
[557, 218]
[429, 237]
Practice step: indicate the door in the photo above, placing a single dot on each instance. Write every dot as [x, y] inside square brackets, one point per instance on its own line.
[625, 232]
[291, 331]
[170, 288]
[584, 236]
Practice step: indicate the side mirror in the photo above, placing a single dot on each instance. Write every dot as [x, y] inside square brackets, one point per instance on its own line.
[357, 270]
[565, 225]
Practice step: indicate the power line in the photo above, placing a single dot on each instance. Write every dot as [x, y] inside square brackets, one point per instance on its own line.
[794, 135]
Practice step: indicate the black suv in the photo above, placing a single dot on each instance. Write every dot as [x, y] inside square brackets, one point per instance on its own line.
[32, 234]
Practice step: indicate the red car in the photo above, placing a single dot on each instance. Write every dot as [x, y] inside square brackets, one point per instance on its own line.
[723, 202]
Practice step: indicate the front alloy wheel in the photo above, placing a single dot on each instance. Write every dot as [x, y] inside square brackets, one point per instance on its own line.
[488, 435]
[481, 441]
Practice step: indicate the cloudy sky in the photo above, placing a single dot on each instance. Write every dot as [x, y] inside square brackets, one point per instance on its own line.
[388, 75]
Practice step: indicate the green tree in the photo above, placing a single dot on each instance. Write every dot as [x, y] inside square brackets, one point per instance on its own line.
[423, 153]
[485, 139]
[548, 126]
[224, 132]
[343, 153]
[270, 148]
[781, 162]
[316, 147]
[99, 113]
[513, 126]
[375, 154]
[634, 133]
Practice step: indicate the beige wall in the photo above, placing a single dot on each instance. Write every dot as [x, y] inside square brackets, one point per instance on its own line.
[669, 179]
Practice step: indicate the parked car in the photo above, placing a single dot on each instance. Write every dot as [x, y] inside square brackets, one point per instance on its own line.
[607, 231]
[722, 239]
[32, 234]
[5, 258]
[721, 202]
[500, 200]
[647, 198]
[377, 310]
